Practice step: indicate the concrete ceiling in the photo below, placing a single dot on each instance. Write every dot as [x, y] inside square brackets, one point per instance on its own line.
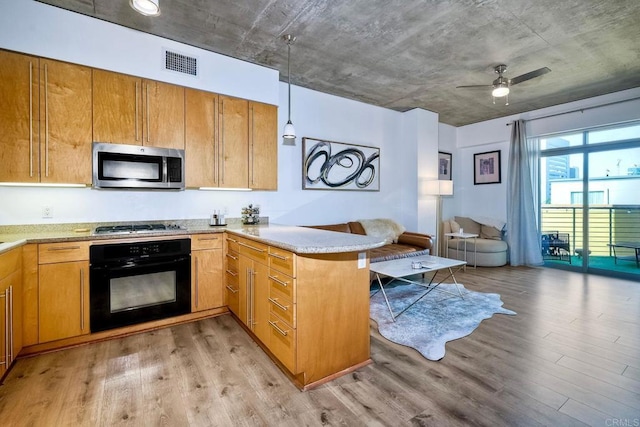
[405, 54]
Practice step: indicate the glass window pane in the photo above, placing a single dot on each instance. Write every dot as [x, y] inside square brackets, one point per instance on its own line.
[618, 173]
[613, 134]
[561, 141]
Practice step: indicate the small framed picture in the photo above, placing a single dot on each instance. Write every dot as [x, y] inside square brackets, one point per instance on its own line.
[486, 168]
[444, 165]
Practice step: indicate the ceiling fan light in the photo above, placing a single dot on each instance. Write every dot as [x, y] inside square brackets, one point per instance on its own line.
[146, 7]
[500, 91]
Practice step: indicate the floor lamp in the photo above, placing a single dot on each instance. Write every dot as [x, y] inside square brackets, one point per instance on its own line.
[439, 188]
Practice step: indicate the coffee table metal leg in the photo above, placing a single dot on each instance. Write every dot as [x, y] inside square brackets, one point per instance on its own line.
[393, 317]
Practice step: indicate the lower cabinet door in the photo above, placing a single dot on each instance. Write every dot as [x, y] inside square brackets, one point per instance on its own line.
[207, 290]
[64, 300]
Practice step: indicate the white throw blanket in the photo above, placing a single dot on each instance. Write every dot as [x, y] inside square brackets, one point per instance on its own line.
[385, 228]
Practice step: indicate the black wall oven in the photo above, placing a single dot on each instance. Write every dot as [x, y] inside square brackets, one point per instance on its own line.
[137, 282]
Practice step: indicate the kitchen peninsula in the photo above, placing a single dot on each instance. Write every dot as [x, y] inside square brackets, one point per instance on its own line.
[301, 293]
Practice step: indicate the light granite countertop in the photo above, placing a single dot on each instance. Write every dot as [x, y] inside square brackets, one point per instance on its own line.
[300, 240]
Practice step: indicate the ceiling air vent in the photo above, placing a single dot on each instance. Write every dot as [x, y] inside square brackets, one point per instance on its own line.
[180, 63]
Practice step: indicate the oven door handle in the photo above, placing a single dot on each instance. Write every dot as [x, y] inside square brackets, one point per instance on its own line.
[122, 267]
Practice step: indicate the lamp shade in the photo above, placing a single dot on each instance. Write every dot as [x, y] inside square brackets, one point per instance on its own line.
[146, 7]
[439, 187]
[289, 131]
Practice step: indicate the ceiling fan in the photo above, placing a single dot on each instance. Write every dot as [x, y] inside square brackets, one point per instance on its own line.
[502, 84]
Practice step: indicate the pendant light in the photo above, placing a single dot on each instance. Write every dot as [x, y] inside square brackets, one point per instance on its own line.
[146, 7]
[289, 135]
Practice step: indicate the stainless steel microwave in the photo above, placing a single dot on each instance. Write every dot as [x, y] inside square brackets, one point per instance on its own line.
[137, 167]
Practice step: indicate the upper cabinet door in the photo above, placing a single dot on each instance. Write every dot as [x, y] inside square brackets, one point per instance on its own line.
[263, 146]
[233, 142]
[201, 139]
[117, 108]
[65, 123]
[18, 118]
[163, 106]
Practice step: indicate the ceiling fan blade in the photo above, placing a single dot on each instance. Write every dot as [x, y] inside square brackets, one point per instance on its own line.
[483, 86]
[528, 76]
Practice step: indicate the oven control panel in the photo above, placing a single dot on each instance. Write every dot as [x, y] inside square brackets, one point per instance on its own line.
[139, 250]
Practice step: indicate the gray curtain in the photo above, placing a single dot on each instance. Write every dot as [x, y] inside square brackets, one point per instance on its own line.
[523, 235]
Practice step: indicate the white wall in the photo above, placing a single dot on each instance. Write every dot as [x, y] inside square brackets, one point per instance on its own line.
[42, 30]
[490, 199]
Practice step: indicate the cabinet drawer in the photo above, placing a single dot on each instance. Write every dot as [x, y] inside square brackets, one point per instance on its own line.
[206, 241]
[282, 284]
[282, 306]
[49, 253]
[281, 260]
[254, 250]
[282, 342]
[232, 243]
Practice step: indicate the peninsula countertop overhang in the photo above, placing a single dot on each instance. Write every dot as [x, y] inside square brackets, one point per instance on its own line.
[301, 240]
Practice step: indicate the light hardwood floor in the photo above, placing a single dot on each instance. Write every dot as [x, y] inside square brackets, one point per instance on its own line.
[571, 356]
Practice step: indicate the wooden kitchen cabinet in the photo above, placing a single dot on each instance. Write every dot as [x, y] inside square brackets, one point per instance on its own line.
[233, 163]
[317, 309]
[230, 142]
[135, 111]
[263, 146]
[207, 285]
[45, 117]
[10, 308]
[201, 139]
[63, 290]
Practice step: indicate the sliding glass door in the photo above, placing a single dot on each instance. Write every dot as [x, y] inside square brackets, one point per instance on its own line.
[590, 201]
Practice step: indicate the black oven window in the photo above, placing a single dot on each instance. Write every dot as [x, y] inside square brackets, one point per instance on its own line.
[132, 292]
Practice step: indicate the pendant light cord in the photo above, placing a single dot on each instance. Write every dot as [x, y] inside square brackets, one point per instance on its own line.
[289, 73]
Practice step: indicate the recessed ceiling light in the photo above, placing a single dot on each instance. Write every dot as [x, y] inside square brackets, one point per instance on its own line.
[146, 7]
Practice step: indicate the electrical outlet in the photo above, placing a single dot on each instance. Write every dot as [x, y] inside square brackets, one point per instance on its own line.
[47, 212]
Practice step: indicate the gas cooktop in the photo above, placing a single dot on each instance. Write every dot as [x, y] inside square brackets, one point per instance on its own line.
[136, 228]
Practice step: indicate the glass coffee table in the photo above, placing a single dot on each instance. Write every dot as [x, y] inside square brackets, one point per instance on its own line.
[400, 269]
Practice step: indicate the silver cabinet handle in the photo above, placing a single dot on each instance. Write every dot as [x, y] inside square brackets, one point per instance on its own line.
[274, 326]
[216, 155]
[283, 258]
[146, 86]
[252, 247]
[232, 240]
[278, 281]
[197, 282]
[10, 354]
[233, 273]
[232, 257]
[63, 248]
[136, 112]
[235, 291]
[251, 149]
[5, 295]
[276, 303]
[82, 299]
[30, 118]
[46, 121]
[221, 138]
[202, 239]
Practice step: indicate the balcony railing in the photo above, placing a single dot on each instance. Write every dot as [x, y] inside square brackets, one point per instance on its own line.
[608, 224]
